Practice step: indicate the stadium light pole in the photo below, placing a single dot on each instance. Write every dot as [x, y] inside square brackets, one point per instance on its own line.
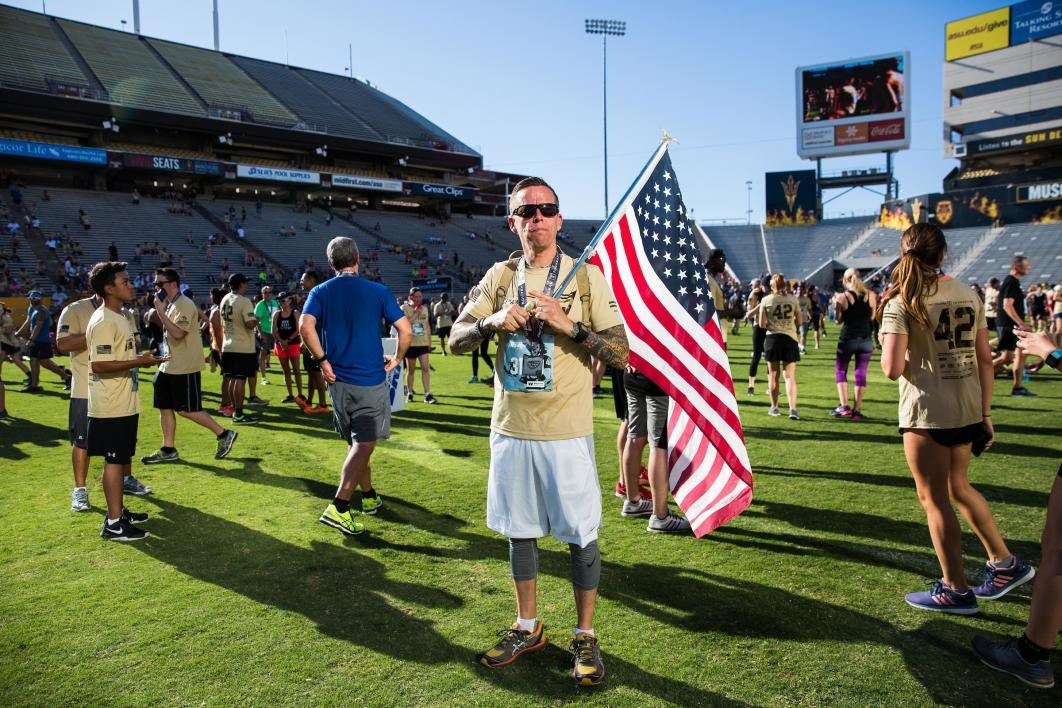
[748, 209]
[605, 28]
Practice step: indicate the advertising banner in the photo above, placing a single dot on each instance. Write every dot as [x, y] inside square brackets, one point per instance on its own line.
[394, 377]
[853, 107]
[1039, 203]
[278, 174]
[1034, 20]
[978, 34]
[439, 191]
[372, 183]
[791, 198]
[1021, 141]
[429, 286]
[48, 151]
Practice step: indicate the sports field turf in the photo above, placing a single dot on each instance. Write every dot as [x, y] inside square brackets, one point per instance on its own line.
[241, 598]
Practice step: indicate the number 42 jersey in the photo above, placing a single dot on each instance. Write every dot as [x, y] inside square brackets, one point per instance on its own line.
[939, 387]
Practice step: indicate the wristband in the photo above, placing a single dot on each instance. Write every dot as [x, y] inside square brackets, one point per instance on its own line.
[1054, 359]
[479, 328]
[321, 359]
[580, 333]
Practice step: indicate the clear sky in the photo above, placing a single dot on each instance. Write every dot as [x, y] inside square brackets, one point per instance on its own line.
[521, 82]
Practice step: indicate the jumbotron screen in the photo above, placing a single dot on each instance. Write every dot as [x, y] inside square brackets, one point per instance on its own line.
[853, 107]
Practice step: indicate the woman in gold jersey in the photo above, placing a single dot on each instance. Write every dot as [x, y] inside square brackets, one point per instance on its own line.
[780, 316]
[934, 339]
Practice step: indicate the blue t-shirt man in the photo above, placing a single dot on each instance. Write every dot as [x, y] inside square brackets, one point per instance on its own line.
[349, 310]
[42, 315]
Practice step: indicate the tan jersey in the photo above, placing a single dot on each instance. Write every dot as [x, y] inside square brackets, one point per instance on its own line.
[110, 338]
[236, 311]
[73, 320]
[418, 318]
[7, 330]
[939, 387]
[186, 354]
[781, 311]
[568, 410]
[718, 299]
[805, 306]
[444, 314]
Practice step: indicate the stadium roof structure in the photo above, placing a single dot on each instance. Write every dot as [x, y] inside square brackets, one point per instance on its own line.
[60, 69]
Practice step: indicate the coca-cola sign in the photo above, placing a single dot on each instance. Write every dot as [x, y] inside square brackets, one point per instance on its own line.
[886, 130]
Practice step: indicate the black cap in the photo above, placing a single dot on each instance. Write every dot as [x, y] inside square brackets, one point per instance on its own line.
[716, 253]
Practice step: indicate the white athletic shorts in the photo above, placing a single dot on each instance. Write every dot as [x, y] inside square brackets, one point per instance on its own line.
[542, 487]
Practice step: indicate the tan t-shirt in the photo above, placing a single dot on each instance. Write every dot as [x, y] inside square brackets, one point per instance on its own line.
[73, 320]
[186, 354]
[568, 410]
[110, 338]
[418, 319]
[718, 299]
[7, 330]
[781, 313]
[236, 311]
[939, 387]
[444, 314]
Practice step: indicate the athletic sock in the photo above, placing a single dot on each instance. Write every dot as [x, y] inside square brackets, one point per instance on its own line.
[112, 522]
[342, 505]
[1032, 652]
[371, 494]
[168, 450]
[527, 625]
[1007, 562]
[578, 631]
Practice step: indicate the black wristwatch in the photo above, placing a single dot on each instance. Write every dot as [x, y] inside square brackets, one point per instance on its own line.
[1054, 359]
[321, 359]
[579, 333]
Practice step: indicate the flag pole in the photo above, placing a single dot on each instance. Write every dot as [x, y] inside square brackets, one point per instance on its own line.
[604, 229]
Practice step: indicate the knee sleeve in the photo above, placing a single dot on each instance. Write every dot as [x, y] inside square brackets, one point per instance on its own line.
[586, 565]
[523, 558]
[862, 364]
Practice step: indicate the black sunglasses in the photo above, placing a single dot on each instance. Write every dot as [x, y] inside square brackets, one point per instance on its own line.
[162, 282]
[526, 211]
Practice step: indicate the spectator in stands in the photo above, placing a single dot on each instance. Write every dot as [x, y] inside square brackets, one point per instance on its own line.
[934, 339]
[1011, 318]
[136, 196]
[780, 316]
[84, 219]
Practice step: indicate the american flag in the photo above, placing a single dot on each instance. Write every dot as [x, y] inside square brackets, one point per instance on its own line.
[648, 251]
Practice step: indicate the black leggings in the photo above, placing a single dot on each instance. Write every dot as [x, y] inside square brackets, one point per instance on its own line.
[481, 352]
[759, 336]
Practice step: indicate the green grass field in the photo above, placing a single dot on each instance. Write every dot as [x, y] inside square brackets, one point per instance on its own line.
[241, 598]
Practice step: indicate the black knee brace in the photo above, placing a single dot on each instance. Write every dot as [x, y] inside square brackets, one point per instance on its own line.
[523, 558]
[586, 565]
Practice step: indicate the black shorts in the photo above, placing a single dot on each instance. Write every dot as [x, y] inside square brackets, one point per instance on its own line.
[215, 356]
[41, 350]
[77, 422]
[9, 348]
[619, 393]
[309, 364]
[781, 348]
[974, 434]
[113, 439]
[443, 332]
[178, 392]
[239, 365]
[416, 352]
[991, 324]
[1008, 341]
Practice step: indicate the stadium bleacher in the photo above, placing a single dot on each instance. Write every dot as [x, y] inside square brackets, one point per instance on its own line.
[743, 246]
[31, 53]
[1041, 243]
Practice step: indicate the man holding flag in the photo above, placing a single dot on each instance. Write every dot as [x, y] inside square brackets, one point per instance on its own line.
[543, 478]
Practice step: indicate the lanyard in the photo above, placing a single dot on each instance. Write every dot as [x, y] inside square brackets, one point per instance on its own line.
[547, 289]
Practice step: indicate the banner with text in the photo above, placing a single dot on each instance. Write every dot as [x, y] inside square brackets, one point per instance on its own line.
[438, 191]
[48, 151]
[372, 183]
[278, 174]
[171, 164]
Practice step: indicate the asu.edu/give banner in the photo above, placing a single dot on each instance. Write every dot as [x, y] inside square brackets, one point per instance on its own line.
[982, 33]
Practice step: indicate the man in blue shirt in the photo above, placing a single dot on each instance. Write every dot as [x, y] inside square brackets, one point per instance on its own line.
[39, 325]
[340, 326]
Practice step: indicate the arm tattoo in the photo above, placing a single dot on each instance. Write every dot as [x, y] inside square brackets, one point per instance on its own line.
[464, 337]
[610, 346]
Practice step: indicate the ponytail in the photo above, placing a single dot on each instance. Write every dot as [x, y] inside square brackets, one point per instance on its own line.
[915, 276]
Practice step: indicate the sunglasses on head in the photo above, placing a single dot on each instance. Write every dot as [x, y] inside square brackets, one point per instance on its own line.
[526, 211]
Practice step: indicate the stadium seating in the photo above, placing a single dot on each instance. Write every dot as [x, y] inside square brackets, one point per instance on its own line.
[1041, 243]
[743, 246]
[799, 250]
[32, 54]
[129, 71]
[223, 84]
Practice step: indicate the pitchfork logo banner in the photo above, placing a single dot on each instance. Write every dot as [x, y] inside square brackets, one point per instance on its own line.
[648, 252]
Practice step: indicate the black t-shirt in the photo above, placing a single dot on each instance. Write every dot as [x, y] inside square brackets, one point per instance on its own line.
[1011, 288]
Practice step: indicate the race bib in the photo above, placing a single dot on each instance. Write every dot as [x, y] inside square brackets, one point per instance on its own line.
[418, 329]
[527, 365]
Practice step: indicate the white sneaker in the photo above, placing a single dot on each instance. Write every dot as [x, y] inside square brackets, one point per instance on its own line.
[669, 524]
[642, 507]
[773, 410]
[265, 381]
[79, 500]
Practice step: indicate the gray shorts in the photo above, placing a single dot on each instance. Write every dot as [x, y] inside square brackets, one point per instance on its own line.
[362, 413]
[77, 422]
[541, 487]
[647, 418]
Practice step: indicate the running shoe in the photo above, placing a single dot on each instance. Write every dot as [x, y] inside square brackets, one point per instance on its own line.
[122, 530]
[265, 381]
[322, 409]
[512, 643]
[669, 524]
[473, 380]
[225, 444]
[793, 415]
[134, 517]
[341, 521]
[997, 582]
[225, 411]
[256, 402]
[773, 411]
[301, 401]
[132, 485]
[1023, 392]
[841, 412]
[30, 389]
[244, 419]
[428, 398]
[79, 500]
[371, 505]
[621, 491]
[288, 399]
[751, 391]
[160, 457]
[598, 392]
[642, 507]
[943, 599]
[1004, 656]
[409, 397]
[587, 667]
[858, 414]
